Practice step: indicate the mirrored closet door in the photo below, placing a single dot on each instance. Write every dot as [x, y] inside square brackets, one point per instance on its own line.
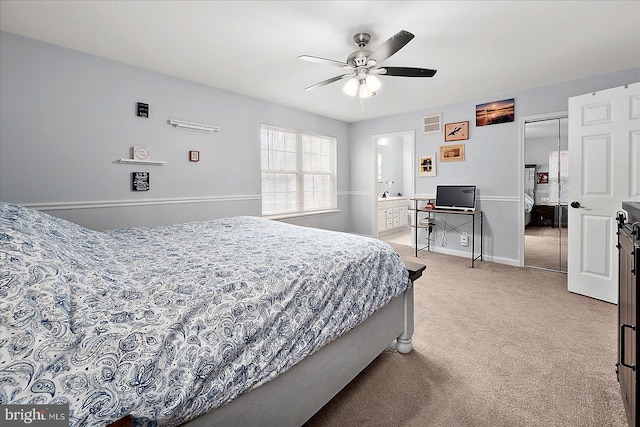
[545, 187]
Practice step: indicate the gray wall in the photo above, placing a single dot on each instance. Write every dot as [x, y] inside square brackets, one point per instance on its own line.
[493, 155]
[66, 117]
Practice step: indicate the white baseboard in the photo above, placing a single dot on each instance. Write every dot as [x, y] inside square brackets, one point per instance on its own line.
[467, 254]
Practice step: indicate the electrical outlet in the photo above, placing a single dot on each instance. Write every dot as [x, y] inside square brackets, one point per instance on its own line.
[464, 239]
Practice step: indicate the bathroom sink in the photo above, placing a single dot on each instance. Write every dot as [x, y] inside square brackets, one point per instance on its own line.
[380, 199]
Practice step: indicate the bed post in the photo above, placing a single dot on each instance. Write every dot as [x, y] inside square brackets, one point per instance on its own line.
[403, 342]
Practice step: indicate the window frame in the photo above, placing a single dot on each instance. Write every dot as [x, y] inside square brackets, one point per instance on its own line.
[299, 207]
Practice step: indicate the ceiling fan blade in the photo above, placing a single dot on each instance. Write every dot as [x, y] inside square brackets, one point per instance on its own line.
[329, 81]
[324, 61]
[391, 46]
[406, 72]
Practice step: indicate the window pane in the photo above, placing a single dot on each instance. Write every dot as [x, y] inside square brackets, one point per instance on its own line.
[324, 147]
[267, 183]
[306, 162]
[290, 163]
[292, 183]
[278, 141]
[291, 142]
[325, 164]
[277, 161]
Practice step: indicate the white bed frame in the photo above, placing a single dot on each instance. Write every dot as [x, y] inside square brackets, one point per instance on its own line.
[296, 395]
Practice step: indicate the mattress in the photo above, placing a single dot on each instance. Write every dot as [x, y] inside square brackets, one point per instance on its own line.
[167, 323]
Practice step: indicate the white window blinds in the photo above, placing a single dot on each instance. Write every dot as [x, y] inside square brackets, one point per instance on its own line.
[298, 172]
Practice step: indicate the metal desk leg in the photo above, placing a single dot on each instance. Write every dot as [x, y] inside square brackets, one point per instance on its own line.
[481, 233]
[473, 240]
[415, 228]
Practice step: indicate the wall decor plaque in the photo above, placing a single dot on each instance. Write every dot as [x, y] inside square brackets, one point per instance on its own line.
[140, 181]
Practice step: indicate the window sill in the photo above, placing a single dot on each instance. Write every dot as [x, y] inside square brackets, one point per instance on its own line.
[301, 214]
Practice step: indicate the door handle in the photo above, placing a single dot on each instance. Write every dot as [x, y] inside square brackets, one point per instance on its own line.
[576, 205]
[622, 345]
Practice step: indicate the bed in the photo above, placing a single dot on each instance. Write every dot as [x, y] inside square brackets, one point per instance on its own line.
[235, 321]
[528, 207]
[529, 191]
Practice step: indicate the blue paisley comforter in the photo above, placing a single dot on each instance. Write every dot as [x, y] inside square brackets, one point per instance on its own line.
[167, 323]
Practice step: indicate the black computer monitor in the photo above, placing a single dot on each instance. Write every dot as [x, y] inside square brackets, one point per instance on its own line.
[460, 197]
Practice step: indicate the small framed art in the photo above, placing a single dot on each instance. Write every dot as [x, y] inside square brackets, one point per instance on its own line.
[543, 178]
[427, 165]
[452, 153]
[140, 152]
[142, 110]
[456, 131]
[194, 156]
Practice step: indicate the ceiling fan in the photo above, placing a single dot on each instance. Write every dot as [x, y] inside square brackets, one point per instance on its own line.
[364, 65]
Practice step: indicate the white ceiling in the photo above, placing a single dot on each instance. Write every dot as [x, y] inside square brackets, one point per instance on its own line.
[480, 48]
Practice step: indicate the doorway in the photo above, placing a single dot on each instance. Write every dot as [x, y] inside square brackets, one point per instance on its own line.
[546, 162]
[395, 179]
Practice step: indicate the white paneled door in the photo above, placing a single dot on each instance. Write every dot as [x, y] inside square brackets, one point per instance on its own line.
[604, 165]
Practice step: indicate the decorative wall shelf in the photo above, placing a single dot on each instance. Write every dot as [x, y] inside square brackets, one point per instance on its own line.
[198, 127]
[142, 162]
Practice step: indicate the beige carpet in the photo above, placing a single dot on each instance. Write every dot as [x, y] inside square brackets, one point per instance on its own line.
[493, 346]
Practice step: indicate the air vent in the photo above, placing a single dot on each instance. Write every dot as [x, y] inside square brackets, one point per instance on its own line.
[433, 124]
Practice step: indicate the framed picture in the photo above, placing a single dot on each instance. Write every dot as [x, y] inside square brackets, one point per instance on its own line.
[140, 181]
[140, 152]
[194, 156]
[543, 177]
[456, 131]
[142, 110]
[427, 165]
[493, 113]
[452, 153]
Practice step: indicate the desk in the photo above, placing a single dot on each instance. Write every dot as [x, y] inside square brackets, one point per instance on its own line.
[475, 215]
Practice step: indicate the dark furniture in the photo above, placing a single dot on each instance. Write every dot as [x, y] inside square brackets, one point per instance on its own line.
[415, 270]
[628, 248]
[549, 215]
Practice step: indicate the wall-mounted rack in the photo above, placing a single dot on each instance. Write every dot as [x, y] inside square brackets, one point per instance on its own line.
[198, 127]
[142, 162]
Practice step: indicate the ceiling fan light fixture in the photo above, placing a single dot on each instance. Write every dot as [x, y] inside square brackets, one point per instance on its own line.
[364, 91]
[351, 87]
[373, 83]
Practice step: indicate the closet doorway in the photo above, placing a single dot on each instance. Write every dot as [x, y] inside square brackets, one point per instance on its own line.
[546, 180]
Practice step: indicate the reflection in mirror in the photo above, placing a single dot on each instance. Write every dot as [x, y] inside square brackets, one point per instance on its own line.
[395, 174]
[383, 167]
[545, 188]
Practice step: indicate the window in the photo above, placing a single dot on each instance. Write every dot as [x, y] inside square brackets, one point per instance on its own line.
[298, 172]
[559, 176]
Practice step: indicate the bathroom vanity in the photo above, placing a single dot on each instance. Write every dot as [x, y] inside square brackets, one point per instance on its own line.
[392, 213]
